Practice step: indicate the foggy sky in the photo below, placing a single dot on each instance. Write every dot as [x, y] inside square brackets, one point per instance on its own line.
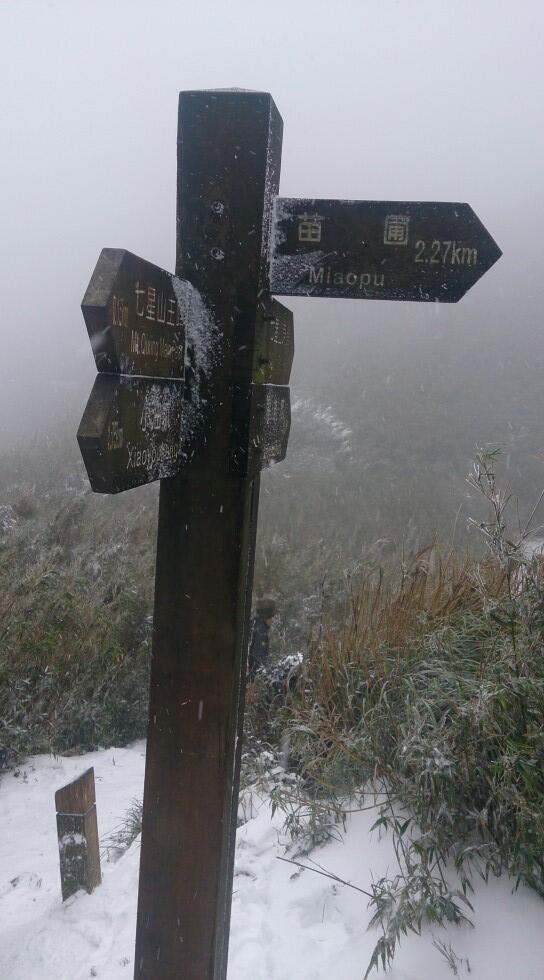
[381, 99]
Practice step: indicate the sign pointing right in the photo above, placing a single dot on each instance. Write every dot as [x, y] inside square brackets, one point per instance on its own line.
[398, 250]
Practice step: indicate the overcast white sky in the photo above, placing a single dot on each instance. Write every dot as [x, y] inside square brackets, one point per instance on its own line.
[381, 99]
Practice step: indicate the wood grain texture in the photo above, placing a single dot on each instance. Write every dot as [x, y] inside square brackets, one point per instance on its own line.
[77, 830]
[229, 149]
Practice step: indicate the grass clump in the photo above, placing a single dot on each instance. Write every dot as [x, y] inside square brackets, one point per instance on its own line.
[75, 631]
[126, 832]
[430, 695]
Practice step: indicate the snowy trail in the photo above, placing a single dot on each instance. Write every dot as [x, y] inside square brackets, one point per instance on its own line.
[286, 924]
[39, 936]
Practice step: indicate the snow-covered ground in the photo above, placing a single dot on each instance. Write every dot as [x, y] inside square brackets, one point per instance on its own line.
[286, 925]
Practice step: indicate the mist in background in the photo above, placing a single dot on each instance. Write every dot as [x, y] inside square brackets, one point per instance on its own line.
[411, 100]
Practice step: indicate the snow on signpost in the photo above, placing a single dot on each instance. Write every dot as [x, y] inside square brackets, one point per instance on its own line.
[194, 392]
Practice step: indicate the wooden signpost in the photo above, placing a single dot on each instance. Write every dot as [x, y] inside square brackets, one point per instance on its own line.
[400, 250]
[207, 438]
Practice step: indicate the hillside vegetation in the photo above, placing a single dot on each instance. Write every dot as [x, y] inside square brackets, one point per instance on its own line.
[422, 696]
[421, 691]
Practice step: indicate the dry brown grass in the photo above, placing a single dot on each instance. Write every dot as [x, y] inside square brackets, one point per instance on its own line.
[390, 613]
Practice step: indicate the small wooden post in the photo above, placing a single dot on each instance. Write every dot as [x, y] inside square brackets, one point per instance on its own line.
[77, 830]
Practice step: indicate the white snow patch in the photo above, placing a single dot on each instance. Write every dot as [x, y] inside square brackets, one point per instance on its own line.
[8, 518]
[325, 417]
[286, 924]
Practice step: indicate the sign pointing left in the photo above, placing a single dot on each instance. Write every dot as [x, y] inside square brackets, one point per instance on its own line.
[133, 318]
[131, 432]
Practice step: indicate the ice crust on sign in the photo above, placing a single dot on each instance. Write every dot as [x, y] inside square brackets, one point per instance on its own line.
[162, 408]
[202, 350]
[276, 424]
[270, 191]
[289, 269]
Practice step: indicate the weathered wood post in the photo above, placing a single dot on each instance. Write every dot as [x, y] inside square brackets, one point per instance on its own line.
[77, 831]
[229, 148]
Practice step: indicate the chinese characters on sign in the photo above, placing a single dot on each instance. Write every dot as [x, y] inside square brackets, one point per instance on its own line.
[398, 250]
[396, 229]
[133, 317]
[154, 305]
[131, 432]
[309, 228]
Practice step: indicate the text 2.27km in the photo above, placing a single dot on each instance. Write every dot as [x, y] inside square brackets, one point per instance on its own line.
[445, 253]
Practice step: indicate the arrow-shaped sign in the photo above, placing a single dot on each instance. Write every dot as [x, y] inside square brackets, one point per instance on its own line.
[133, 318]
[130, 433]
[399, 250]
[274, 345]
[261, 425]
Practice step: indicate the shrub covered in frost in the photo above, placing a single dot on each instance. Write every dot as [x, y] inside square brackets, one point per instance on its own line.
[429, 702]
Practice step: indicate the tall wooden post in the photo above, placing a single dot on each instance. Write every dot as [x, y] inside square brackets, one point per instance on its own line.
[229, 149]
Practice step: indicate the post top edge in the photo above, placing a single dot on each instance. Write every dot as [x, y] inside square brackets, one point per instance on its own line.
[228, 89]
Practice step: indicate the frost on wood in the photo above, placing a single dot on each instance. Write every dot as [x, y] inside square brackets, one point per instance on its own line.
[270, 192]
[160, 419]
[289, 269]
[73, 839]
[202, 353]
[131, 431]
[276, 424]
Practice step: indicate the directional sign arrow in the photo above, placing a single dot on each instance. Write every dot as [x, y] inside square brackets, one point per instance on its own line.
[133, 318]
[398, 250]
[130, 433]
[274, 345]
[261, 424]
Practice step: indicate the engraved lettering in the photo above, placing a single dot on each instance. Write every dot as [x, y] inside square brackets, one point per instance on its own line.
[172, 311]
[114, 438]
[151, 303]
[442, 252]
[420, 248]
[317, 277]
[325, 276]
[119, 312]
[140, 305]
[456, 254]
[161, 308]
